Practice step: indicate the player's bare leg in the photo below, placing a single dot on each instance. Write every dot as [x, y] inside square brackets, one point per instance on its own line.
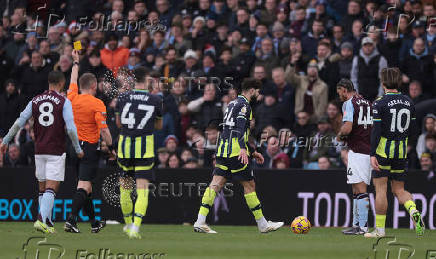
[44, 223]
[381, 206]
[404, 197]
[209, 195]
[255, 207]
[141, 205]
[360, 210]
[126, 187]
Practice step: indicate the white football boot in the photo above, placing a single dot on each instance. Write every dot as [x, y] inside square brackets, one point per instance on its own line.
[203, 228]
[271, 226]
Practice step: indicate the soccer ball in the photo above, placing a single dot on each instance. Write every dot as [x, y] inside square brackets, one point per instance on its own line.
[300, 225]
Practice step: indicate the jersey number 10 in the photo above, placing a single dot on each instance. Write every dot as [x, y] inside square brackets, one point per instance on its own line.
[128, 118]
[397, 120]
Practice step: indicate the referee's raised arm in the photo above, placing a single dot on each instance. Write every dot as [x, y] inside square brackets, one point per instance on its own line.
[73, 89]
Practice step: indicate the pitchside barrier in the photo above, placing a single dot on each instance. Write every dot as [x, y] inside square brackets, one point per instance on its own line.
[322, 196]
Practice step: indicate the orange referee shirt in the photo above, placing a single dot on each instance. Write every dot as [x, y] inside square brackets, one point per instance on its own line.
[89, 114]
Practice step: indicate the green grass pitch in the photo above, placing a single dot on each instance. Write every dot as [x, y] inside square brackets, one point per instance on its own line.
[177, 241]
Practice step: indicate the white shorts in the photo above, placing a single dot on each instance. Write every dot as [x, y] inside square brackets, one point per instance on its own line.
[50, 167]
[359, 168]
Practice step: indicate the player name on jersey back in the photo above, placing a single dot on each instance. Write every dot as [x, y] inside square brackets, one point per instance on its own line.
[49, 126]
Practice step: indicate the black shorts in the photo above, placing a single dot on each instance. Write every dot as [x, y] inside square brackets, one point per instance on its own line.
[394, 169]
[233, 169]
[88, 165]
[137, 167]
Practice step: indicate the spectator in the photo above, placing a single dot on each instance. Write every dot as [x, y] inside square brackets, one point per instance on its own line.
[171, 143]
[50, 57]
[64, 65]
[134, 60]
[430, 144]
[185, 121]
[328, 69]
[174, 161]
[162, 155]
[418, 65]
[17, 44]
[32, 77]
[269, 112]
[207, 108]
[299, 24]
[324, 163]
[354, 12]
[320, 144]
[165, 12]
[338, 38]
[415, 92]
[311, 40]
[334, 116]
[366, 70]
[268, 153]
[285, 94]
[191, 163]
[311, 94]
[112, 56]
[191, 59]
[426, 162]
[356, 35]
[173, 67]
[92, 64]
[55, 40]
[345, 63]
[266, 56]
[14, 158]
[11, 105]
[281, 161]
[186, 154]
[390, 48]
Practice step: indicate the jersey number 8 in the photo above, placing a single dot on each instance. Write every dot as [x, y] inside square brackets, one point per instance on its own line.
[128, 118]
[46, 117]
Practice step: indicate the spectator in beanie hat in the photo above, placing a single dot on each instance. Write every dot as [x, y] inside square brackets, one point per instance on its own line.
[171, 143]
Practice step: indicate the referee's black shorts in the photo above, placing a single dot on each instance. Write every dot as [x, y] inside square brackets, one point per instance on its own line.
[88, 165]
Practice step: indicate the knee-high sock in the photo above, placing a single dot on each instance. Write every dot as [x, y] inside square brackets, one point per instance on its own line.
[206, 204]
[380, 221]
[47, 202]
[355, 215]
[140, 206]
[88, 207]
[78, 201]
[126, 204]
[255, 207]
[41, 193]
[362, 209]
[410, 206]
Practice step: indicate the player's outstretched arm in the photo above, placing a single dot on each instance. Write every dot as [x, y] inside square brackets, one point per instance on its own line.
[19, 123]
[67, 113]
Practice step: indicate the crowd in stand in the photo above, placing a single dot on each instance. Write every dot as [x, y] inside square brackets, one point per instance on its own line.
[198, 52]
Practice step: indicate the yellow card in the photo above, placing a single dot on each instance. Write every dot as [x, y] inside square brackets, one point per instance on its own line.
[77, 45]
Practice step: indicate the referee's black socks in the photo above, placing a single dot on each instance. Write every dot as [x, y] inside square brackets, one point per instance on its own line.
[79, 201]
[88, 208]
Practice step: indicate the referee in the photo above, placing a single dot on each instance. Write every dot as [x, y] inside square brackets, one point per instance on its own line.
[90, 119]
